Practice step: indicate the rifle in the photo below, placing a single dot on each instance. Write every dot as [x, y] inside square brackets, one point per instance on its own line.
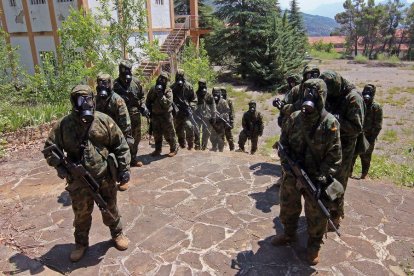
[200, 118]
[218, 115]
[189, 111]
[306, 184]
[80, 173]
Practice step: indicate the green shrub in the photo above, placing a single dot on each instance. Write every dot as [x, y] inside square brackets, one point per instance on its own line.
[389, 135]
[323, 47]
[325, 55]
[389, 59]
[267, 147]
[361, 59]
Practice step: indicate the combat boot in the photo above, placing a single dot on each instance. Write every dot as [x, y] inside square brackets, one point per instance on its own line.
[173, 152]
[78, 252]
[363, 175]
[282, 239]
[252, 152]
[197, 147]
[123, 187]
[313, 257]
[156, 152]
[121, 242]
[231, 146]
[190, 146]
[136, 163]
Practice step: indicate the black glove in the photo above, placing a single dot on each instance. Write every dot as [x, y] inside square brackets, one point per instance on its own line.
[61, 172]
[320, 184]
[278, 103]
[231, 123]
[145, 112]
[124, 177]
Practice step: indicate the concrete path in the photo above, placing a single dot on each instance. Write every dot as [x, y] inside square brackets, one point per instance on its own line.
[199, 213]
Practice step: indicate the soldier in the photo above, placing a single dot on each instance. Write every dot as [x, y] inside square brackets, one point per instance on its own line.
[89, 137]
[311, 138]
[130, 89]
[159, 101]
[228, 133]
[252, 124]
[185, 100]
[347, 105]
[372, 126]
[114, 106]
[222, 119]
[205, 115]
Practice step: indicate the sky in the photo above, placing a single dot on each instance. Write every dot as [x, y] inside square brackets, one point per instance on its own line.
[311, 5]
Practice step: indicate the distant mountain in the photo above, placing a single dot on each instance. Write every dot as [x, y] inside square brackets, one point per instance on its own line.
[317, 25]
[328, 10]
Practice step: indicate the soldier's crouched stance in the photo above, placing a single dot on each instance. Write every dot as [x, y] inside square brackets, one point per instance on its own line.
[311, 139]
[89, 138]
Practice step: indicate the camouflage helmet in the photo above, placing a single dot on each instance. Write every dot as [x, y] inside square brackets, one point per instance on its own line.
[216, 89]
[124, 65]
[180, 73]
[310, 68]
[80, 90]
[295, 77]
[252, 102]
[320, 87]
[104, 77]
[202, 81]
[165, 75]
[334, 83]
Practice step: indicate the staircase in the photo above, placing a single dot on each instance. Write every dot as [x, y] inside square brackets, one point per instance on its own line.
[172, 45]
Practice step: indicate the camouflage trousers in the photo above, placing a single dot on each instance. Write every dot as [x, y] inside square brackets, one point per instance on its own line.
[291, 207]
[184, 129]
[203, 134]
[365, 159]
[217, 136]
[162, 125]
[243, 136]
[344, 171]
[136, 134]
[83, 204]
[229, 137]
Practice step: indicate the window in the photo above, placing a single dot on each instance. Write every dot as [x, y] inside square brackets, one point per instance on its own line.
[12, 3]
[63, 1]
[37, 2]
[159, 2]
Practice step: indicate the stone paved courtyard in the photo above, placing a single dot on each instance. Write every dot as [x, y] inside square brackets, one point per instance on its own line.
[200, 213]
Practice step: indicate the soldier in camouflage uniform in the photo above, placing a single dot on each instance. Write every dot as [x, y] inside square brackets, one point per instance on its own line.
[222, 118]
[347, 105]
[311, 138]
[228, 133]
[114, 106]
[159, 102]
[185, 100]
[131, 90]
[372, 126]
[89, 137]
[205, 115]
[252, 124]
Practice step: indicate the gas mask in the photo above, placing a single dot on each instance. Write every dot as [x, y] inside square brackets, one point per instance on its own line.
[224, 94]
[368, 95]
[309, 101]
[216, 96]
[252, 107]
[103, 89]
[161, 83]
[291, 83]
[127, 76]
[180, 81]
[312, 75]
[85, 107]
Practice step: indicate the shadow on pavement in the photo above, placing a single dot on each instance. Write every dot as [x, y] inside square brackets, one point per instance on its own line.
[271, 260]
[57, 259]
[147, 159]
[64, 199]
[264, 168]
[265, 200]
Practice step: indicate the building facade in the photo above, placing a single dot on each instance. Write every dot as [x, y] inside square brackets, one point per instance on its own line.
[33, 25]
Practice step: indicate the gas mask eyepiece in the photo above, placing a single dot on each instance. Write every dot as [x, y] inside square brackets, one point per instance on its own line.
[85, 107]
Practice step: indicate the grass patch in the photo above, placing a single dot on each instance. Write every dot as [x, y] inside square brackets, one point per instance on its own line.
[383, 167]
[389, 136]
[240, 98]
[14, 117]
[266, 147]
[361, 59]
[325, 55]
[393, 59]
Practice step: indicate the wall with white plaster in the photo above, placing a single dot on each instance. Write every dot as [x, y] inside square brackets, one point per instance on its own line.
[14, 16]
[24, 51]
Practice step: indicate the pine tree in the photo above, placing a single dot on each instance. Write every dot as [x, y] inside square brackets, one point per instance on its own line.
[295, 17]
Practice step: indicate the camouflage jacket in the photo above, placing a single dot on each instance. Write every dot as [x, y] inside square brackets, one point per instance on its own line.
[223, 109]
[134, 95]
[184, 96]
[115, 108]
[231, 113]
[292, 100]
[324, 155]
[206, 106]
[349, 109]
[253, 123]
[373, 121]
[159, 104]
[102, 138]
